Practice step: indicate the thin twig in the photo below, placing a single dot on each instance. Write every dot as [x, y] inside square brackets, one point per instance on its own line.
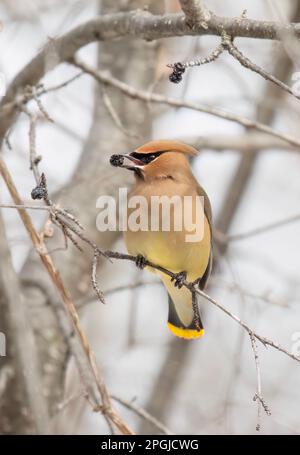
[215, 54]
[98, 291]
[107, 79]
[143, 414]
[47, 208]
[247, 63]
[257, 231]
[114, 115]
[258, 397]
[35, 92]
[34, 158]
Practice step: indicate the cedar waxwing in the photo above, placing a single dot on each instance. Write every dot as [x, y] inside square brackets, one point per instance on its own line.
[162, 168]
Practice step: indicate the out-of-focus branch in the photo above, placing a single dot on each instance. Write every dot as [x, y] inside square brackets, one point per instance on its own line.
[107, 79]
[239, 143]
[247, 63]
[223, 238]
[144, 415]
[138, 24]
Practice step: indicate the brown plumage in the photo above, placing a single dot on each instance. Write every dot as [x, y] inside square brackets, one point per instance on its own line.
[162, 169]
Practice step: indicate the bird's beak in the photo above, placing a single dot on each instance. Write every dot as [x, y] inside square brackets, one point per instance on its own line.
[121, 160]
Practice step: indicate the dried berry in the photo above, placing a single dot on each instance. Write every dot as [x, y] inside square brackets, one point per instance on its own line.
[176, 75]
[179, 68]
[176, 78]
[116, 160]
[38, 192]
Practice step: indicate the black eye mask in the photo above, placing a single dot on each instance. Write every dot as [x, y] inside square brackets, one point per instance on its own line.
[146, 158]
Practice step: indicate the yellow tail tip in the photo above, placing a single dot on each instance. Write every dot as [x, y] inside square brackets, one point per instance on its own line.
[187, 334]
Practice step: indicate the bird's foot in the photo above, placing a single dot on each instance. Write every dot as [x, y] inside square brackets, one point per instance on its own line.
[197, 283]
[140, 262]
[179, 279]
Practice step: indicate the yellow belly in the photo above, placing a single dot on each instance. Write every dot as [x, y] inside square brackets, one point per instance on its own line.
[171, 250]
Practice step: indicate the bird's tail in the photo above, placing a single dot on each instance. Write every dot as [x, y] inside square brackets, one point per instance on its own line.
[184, 319]
[178, 328]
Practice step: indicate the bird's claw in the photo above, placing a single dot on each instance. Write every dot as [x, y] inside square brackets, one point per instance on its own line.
[179, 279]
[140, 261]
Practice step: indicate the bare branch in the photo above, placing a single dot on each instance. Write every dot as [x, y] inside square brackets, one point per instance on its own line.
[143, 414]
[257, 231]
[138, 24]
[215, 54]
[114, 115]
[107, 79]
[246, 62]
[240, 143]
[25, 206]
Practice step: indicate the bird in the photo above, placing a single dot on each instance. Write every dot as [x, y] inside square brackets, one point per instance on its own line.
[162, 168]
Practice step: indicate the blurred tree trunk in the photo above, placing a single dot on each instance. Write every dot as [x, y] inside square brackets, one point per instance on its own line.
[13, 400]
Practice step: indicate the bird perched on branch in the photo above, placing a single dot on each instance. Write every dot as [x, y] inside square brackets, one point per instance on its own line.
[162, 171]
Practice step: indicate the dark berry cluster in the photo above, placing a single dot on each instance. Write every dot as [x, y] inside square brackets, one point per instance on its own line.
[116, 160]
[176, 75]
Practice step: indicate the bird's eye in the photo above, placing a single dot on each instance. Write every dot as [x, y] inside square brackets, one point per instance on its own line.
[149, 158]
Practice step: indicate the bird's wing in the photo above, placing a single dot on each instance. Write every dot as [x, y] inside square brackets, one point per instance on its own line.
[208, 214]
[205, 276]
[207, 206]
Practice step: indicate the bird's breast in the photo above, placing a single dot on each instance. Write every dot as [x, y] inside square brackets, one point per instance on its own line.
[171, 250]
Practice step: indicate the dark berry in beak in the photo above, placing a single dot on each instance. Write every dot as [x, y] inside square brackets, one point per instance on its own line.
[116, 160]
